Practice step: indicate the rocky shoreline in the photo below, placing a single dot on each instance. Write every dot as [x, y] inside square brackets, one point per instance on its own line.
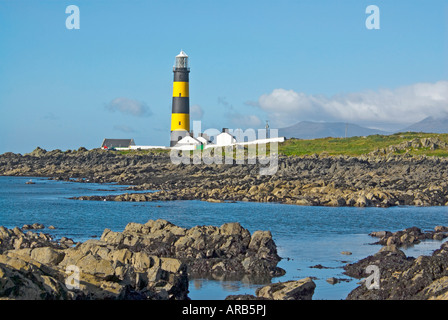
[368, 180]
[154, 261]
[146, 261]
[400, 277]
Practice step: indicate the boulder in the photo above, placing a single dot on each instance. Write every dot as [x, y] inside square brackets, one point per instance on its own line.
[22, 278]
[291, 290]
[380, 234]
[233, 228]
[47, 255]
[441, 229]
[361, 201]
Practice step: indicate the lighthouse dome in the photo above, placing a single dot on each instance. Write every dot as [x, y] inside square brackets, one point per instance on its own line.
[181, 60]
[182, 54]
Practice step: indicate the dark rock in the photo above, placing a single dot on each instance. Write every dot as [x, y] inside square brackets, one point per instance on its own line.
[290, 290]
[244, 297]
[34, 226]
[319, 266]
[332, 280]
[401, 277]
[408, 237]
[229, 249]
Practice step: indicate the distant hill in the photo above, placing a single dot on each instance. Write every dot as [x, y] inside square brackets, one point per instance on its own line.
[315, 130]
[430, 125]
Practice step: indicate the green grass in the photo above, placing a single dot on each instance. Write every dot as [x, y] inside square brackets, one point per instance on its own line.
[356, 146]
[140, 152]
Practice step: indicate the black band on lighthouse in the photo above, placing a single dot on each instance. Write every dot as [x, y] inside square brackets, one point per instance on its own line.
[181, 105]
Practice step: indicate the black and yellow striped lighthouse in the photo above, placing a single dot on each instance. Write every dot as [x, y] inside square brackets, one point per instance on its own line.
[180, 115]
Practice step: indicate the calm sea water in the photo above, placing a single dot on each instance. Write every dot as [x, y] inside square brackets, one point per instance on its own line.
[305, 236]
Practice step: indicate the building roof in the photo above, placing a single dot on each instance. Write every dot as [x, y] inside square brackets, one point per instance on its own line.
[202, 140]
[222, 134]
[188, 140]
[118, 143]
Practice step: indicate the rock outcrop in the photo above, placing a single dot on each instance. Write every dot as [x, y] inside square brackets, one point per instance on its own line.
[290, 290]
[229, 250]
[17, 239]
[145, 261]
[400, 277]
[381, 180]
[409, 236]
[35, 267]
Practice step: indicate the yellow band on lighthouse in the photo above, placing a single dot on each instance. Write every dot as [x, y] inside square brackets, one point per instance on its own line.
[180, 89]
[180, 121]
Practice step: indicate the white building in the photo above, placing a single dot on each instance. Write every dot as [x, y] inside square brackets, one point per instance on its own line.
[187, 143]
[224, 139]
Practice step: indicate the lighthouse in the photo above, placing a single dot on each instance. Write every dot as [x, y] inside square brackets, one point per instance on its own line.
[180, 114]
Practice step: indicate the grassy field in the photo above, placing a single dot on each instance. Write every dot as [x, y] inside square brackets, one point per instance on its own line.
[141, 152]
[356, 146]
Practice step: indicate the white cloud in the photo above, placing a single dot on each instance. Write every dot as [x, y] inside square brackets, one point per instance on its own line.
[406, 104]
[129, 106]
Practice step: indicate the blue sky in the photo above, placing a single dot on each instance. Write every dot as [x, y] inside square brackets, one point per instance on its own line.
[253, 60]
